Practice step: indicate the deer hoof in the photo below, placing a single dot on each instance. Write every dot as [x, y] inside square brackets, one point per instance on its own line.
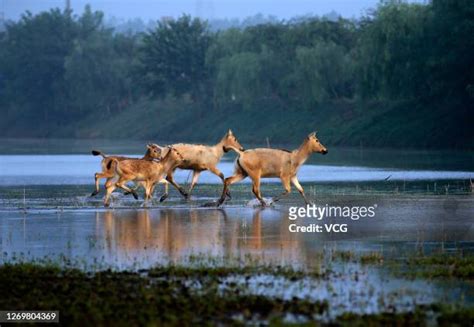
[211, 204]
[220, 202]
[135, 195]
[94, 193]
[164, 197]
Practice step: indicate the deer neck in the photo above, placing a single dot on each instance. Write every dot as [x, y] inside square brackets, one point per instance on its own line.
[167, 164]
[219, 149]
[147, 156]
[300, 155]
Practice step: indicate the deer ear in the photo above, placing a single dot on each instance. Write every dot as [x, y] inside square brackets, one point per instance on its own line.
[312, 134]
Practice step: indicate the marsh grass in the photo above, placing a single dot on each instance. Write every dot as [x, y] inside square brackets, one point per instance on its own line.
[163, 295]
[441, 265]
[185, 296]
[373, 257]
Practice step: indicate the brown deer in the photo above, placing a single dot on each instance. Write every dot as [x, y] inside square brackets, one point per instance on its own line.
[153, 152]
[146, 172]
[198, 158]
[264, 163]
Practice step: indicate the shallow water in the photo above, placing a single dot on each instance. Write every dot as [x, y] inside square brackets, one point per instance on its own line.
[80, 169]
[423, 205]
[143, 238]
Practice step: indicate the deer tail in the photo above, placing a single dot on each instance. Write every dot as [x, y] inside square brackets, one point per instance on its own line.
[114, 164]
[98, 153]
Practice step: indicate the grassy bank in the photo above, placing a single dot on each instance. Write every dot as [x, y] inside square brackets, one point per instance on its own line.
[347, 123]
[184, 296]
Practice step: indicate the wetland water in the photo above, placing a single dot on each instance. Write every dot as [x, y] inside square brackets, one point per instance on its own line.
[141, 238]
[136, 239]
[424, 205]
[78, 169]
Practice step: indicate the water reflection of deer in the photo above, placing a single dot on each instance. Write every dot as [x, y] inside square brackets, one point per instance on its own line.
[170, 232]
[267, 238]
[178, 233]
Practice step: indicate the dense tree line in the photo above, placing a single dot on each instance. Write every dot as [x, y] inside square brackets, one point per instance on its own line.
[57, 68]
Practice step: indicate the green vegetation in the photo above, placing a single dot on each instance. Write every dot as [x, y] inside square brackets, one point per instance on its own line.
[187, 296]
[440, 266]
[434, 265]
[117, 297]
[403, 76]
[443, 315]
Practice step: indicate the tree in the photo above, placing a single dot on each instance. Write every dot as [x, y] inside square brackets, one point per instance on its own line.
[32, 62]
[451, 62]
[392, 51]
[173, 57]
[324, 72]
[97, 71]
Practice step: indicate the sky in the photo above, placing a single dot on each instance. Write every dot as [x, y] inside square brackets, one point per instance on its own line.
[209, 9]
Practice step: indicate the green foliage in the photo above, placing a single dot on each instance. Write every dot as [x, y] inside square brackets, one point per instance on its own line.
[56, 68]
[452, 56]
[173, 57]
[393, 51]
[32, 63]
[59, 71]
[324, 72]
[97, 71]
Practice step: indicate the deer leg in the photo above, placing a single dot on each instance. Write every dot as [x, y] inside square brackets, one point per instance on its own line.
[110, 187]
[97, 180]
[152, 190]
[229, 181]
[286, 184]
[149, 188]
[98, 177]
[196, 174]
[170, 179]
[137, 186]
[218, 173]
[298, 186]
[256, 190]
[147, 196]
[167, 185]
[121, 183]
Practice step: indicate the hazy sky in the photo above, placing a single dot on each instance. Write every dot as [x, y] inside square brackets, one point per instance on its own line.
[153, 9]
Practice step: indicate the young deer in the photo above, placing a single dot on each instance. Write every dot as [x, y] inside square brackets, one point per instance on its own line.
[146, 172]
[264, 163]
[198, 158]
[153, 152]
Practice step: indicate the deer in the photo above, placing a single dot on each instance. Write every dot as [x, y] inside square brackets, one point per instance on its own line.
[199, 158]
[266, 163]
[146, 172]
[154, 152]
